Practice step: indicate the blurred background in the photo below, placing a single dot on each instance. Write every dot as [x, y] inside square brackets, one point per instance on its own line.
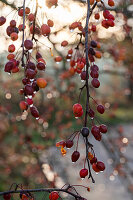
[28, 155]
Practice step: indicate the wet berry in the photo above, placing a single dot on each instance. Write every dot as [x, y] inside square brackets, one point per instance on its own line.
[75, 156]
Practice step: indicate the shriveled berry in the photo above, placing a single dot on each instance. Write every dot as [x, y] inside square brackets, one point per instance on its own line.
[61, 144]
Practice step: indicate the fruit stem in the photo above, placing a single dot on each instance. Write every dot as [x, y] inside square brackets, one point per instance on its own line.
[23, 64]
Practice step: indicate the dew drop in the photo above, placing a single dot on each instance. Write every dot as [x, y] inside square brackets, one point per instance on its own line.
[71, 30]
[30, 96]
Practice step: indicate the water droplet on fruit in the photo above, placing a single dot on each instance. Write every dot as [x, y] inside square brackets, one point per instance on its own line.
[30, 96]
[71, 30]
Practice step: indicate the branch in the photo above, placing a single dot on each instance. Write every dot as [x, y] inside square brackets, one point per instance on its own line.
[9, 4]
[49, 190]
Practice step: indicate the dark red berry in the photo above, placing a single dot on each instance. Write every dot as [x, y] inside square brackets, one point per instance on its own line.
[34, 112]
[83, 173]
[91, 51]
[30, 73]
[28, 90]
[95, 83]
[41, 66]
[100, 109]
[100, 166]
[103, 128]
[2, 20]
[31, 65]
[69, 144]
[75, 156]
[9, 66]
[94, 67]
[28, 44]
[7, 196]
[94, 74]
[93, 160]
[83, 75]
[91, 113]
